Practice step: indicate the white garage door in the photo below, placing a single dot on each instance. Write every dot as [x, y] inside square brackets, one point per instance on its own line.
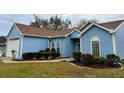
[13, 44]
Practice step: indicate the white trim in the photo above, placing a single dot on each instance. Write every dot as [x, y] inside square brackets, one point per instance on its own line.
[12, 28]
[114, 44]
[102, 27]
[95, 38]
[81, 46]
[84, 25]
[76, 48]
[18, 29]
[55, 42]
[21, 47]
[85, 30]
[119, 26]
[95, 25]
[13, 37]
[72, 32]
[37, 36]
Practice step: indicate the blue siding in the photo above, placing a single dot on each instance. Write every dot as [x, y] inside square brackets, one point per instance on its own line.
[67, 46]
[75, 34]
[14, 32]
[105, 40]
[34, 44]
[120, 41]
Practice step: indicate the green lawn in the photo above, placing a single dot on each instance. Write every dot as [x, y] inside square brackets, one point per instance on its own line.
[52, 70]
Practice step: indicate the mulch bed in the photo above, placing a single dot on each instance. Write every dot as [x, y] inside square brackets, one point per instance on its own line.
[99, 66]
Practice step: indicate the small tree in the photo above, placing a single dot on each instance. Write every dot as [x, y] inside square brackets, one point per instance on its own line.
[13, 54]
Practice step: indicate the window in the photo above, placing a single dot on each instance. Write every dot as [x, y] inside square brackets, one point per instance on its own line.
[58, 46]
[95, 41]
[55, 44]
[77, 45]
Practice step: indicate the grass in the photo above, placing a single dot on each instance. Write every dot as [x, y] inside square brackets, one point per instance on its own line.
[55, 70]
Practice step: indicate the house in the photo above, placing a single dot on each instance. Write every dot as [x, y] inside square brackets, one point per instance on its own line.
[2, 46]
[23, 38]
[97, 39]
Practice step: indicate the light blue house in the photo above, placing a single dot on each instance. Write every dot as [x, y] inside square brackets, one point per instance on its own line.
[92, 38]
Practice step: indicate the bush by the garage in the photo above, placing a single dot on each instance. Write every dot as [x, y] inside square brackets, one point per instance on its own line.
[28, 56]
[39, 55]
[54, 55]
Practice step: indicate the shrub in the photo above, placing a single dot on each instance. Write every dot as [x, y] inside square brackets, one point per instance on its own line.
[41, 50]
[77, 56]
[87, 59]
[112, 59]
[53, 50]
[38, 55]
[46, 55]
[54, 55]
[13, 54]
[47, 50]
[3, 55]
[28, 56]
[122, 61]
[99, 60]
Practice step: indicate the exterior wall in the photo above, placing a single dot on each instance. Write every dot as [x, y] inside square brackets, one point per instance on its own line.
[67, 46]
[3, 48]
[14, 32]
[34, 44]
[75, 34]
[105, 41]
[119, 35]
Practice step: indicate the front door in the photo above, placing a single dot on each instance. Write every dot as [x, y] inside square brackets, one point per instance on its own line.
[77, 49]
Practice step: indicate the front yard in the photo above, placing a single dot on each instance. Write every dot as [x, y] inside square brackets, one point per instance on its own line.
[55, 70]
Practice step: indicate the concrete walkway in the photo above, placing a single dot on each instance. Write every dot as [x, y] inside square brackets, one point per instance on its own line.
[8, 60]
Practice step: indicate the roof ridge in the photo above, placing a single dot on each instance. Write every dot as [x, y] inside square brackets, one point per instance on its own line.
[111, 21]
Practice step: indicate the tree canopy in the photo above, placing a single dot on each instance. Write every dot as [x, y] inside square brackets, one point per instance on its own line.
[84, 21]
[55, 23]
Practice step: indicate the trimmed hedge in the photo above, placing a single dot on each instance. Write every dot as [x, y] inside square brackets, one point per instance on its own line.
[28, 56]
[87, 59]
[39, 55]
[100, 60]
[77, 56]
[111, 60]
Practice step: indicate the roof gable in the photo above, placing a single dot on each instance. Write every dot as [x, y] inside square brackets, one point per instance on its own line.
[14, 31]
[108, 26]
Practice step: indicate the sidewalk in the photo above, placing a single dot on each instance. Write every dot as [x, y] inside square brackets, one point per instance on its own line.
[8, 60]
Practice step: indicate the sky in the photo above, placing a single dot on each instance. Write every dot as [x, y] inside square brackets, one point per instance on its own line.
[7, 20]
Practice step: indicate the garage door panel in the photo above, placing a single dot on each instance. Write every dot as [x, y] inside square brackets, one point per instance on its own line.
[13, 44]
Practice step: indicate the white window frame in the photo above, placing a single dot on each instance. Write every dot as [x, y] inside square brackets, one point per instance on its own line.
[58, 41]
[52, 42]
[76, 48]
[95, 38]
[55, 41]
